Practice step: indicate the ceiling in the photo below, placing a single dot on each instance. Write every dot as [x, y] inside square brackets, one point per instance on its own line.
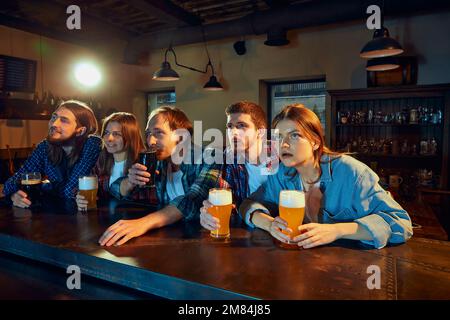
[136, 17]
[150, 24]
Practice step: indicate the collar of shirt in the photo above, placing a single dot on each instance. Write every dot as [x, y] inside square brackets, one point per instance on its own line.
[268, 156]
[187, 166]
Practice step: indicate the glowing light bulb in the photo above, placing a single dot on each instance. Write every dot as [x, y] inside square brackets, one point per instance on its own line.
[87, 74]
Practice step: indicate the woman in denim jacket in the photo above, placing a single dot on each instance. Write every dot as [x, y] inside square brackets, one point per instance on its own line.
[343, 197]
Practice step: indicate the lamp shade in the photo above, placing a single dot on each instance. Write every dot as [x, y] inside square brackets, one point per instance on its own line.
[166, 73]
[382, 45]
[213, 84]
[382, 64]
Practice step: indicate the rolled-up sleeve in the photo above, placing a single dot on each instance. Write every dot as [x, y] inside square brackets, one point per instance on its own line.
[190, 203]
[379, 213]
[264, 199]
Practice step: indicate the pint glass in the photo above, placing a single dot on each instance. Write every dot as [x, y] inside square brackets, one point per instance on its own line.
[30, 183]
[88, 186]
[222, 202]
[292, 209]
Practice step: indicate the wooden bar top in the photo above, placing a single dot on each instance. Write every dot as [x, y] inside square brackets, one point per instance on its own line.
[25, 279]
[183, 262]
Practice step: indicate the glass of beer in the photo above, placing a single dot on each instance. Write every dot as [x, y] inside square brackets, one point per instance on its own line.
[30, 183]
[148, 159]
[88, 186]
[222, 202]
[292, 209]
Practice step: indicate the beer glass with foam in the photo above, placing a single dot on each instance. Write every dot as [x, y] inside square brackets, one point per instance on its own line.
[30, 183]
[222, 204]
[88, 186]
[292, 209]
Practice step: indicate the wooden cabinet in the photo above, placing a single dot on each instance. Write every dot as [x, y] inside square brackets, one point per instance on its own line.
[11, 108]
[24, 109]
[398, 131]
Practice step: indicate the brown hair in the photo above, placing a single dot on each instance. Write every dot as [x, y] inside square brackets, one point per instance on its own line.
[255, 111]
[176, 118]
[132, 142]
[311, 128]
[84, 117]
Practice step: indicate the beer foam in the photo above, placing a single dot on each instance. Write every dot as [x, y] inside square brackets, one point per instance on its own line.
[292, 199]
[30, 182]
[220, 197]
[87, 183]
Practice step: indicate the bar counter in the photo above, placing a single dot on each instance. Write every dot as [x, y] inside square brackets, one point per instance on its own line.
[183, 262]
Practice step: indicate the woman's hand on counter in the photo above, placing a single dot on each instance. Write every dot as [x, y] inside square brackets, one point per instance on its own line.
[317, 234]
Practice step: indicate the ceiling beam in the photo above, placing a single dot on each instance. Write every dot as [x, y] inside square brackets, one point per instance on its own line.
[302, 15]
[94, 20]
[94, 32]
[277, 3]
[166, 11]
[36, 28]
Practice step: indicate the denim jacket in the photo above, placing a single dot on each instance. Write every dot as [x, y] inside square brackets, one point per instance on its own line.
[351, 193]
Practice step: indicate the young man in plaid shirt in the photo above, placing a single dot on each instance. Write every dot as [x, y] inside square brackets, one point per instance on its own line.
[69, 151]
[180, 188]
[249, 158]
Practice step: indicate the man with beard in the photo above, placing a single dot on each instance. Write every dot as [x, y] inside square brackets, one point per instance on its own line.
[180, 187]
[69, 151]
[249, 158]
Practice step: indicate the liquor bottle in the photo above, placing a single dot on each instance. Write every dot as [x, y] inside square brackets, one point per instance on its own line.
[370, 116]
[36, 98]
[439, 112]
[51, 100]
[433, 146]
[44, 100]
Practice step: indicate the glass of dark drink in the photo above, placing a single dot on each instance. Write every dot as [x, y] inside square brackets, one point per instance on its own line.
[30, 183]
[148, 159]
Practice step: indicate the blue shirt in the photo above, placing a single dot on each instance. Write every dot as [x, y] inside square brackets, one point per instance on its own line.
[236, 177]
[63, 182]
[351, 193]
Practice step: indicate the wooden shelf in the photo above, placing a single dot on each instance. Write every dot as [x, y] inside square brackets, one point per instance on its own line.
[23, 109]
[419, 125]
[389, 100]
[407, 156]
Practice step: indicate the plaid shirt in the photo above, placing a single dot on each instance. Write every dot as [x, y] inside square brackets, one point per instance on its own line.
[147, 195]
[103, 184]
[235, 175]
[198, 177]
[66, 187]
